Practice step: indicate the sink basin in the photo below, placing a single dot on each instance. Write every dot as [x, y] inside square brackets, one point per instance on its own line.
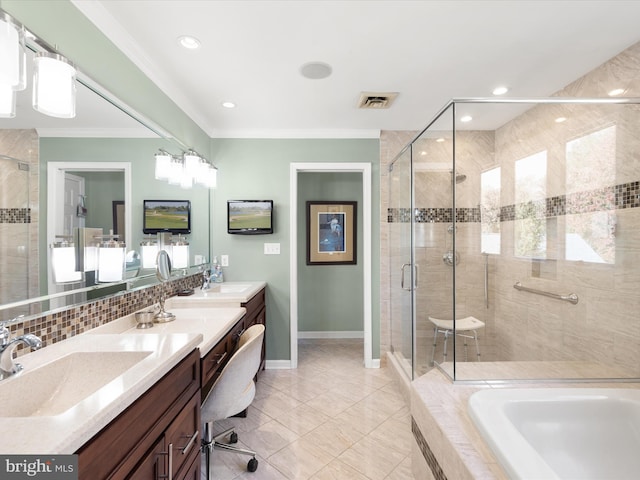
[57, 386]
[224, 288]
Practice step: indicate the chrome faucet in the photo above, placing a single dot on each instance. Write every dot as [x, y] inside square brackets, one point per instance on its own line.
[8, 367]
[206, 278]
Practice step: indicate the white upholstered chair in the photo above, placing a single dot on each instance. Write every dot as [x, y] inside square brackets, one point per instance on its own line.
[232, 393]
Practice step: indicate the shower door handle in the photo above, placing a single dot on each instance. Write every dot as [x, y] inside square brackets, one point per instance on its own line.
[415, 281]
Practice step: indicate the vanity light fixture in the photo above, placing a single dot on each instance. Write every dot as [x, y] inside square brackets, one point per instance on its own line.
[7, 102]
[63, 260]
[163, 165]
[180, 253]
[111, 259]
[54, 85]
[12, 53]
[149, 252]
[185, 170]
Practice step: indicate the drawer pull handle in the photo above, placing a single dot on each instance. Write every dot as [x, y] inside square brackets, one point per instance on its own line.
[193, 438]
[222, 357]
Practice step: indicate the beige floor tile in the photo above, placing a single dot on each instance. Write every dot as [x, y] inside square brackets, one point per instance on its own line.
[267, 439]
[334, 437]
[328, 419]
[372, 459]
[302, 419]
[300, 460]
[276, 404]
[338, 470]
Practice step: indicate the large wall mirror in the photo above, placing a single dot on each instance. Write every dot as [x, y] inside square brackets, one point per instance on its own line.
[94, 170]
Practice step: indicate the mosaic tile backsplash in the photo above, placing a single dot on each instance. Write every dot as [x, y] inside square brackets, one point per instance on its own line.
[64, 324]
[626, 195]
[15, 215]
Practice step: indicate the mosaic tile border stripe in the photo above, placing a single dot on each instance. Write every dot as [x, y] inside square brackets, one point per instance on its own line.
[428, 455]
[626, 195]
[58, 326]
[15, 215]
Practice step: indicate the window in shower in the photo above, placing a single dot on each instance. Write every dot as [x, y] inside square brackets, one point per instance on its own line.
[490, 211]
[530, 206]
[590, 203]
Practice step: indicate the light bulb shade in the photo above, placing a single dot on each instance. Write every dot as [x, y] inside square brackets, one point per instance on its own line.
[180, 256]
[63, 263]
[211, 177]
[149, 254]
[54, 85]
[192, 163]
[12, 54]
[176, 170]
[111, 259]
[163, 166]
[7, 102]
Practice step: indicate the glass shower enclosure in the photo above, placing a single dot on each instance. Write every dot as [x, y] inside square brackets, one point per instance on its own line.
[513, 241]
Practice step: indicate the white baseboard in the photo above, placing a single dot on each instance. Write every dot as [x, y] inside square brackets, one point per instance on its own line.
[277, 364]
[335, 334]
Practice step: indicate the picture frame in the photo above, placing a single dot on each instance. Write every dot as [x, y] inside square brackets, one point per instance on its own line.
[332, 232]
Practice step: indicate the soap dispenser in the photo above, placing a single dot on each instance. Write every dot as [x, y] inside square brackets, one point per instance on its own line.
[217, 271]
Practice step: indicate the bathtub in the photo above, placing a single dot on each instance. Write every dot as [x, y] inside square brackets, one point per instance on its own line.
[561, 433]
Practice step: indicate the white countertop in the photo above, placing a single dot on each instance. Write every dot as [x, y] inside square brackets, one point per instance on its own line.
[68, 431]
[211, 323]
[226, 294]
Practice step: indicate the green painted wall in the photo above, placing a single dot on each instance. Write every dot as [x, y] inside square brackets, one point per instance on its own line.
[259, 169]
[330, 296]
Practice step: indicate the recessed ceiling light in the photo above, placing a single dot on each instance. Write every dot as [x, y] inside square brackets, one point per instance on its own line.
[228, 105]
[316, 70]
[561, 119]
[500, 90]
[187, 41]
[466, 118]
[616, 91]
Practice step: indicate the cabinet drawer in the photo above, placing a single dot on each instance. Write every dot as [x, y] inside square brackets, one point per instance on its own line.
[254, 305]
[234, 336]
[182, 438]
[214, 361]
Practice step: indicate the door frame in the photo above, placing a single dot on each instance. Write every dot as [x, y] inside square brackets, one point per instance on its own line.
[365, 170]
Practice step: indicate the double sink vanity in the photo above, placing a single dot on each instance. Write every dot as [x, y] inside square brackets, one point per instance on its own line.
[127, 400]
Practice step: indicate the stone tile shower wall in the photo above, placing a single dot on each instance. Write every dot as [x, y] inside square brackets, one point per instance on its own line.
[604, 326]
[19, 215]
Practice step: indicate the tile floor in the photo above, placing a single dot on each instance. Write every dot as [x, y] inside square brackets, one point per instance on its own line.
[329, 419]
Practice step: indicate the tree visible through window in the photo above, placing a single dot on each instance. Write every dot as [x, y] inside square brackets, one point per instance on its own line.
[530, 215]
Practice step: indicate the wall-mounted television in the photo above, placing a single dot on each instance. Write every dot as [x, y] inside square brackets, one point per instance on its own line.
[249, 217]
[172, 216]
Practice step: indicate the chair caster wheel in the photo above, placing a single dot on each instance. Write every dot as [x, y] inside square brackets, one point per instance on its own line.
[233, 438]
[252, 466]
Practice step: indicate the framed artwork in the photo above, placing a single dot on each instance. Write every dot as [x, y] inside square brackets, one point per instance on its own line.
[331, 233]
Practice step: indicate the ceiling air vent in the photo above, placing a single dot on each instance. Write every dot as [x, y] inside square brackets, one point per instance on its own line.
[376, 100]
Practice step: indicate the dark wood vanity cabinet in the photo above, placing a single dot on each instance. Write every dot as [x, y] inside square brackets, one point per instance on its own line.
[256, 313]
[159, 429]
[215, 360]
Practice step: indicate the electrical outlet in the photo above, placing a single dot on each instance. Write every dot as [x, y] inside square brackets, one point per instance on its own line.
[224, 260]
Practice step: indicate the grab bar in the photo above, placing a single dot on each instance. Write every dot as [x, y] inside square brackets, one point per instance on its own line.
[571, 297]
